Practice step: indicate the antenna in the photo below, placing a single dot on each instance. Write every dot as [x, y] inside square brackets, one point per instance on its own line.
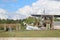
[44, 11]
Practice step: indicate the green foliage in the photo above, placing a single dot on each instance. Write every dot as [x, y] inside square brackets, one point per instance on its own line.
[8, 21]
[56, 19]
[2, 21]
[31, 20]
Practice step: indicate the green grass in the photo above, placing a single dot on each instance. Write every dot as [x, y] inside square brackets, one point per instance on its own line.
[41, 33]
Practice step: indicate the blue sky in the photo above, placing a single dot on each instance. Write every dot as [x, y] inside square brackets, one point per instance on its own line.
[13, 5]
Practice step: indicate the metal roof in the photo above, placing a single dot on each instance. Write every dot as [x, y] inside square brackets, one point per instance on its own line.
[45, 15]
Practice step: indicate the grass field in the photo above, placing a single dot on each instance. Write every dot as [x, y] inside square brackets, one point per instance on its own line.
[41, 33]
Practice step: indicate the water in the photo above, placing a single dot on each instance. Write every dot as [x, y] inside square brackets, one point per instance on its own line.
[57, 23]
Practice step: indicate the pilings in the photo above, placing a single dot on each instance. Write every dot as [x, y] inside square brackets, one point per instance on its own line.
[5, 27]
[8, 27]
[18, 27]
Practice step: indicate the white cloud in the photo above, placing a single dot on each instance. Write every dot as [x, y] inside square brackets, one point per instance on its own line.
[2, 11]
[25, 10]
[3, 14]
[22, 13]
[18, 16]
[51, 8]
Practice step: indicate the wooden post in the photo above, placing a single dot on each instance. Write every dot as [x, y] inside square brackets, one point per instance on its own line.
[10, 29]
[41, 21]
[19, 27]
[16, 27]
[5, 27]
[51, 24]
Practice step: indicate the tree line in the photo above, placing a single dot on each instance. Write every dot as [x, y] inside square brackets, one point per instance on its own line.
[8, 21]
[27, 20]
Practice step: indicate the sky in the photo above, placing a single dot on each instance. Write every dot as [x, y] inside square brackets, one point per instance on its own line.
[13, 5]
[21, 9]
